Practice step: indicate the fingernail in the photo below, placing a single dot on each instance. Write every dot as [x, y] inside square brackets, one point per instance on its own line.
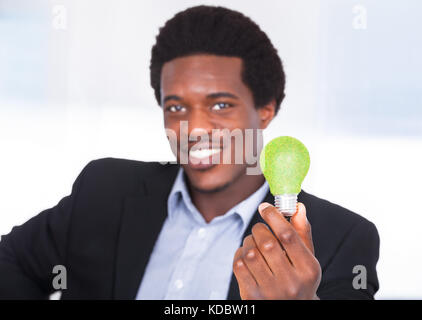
[263, 205]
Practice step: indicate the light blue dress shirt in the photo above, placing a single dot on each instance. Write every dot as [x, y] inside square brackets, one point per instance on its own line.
[193, 259]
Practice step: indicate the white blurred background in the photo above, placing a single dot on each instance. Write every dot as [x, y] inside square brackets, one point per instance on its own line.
[74, 86]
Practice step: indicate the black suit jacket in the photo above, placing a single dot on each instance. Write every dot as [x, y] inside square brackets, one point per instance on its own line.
[105, 230]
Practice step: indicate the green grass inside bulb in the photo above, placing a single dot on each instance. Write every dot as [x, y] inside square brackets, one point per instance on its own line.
[284, 162]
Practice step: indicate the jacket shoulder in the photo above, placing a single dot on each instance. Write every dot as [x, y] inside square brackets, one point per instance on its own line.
[324, 212]
[123, 174]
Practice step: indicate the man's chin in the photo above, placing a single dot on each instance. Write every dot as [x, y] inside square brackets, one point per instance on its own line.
[211, 179]
[210, 189]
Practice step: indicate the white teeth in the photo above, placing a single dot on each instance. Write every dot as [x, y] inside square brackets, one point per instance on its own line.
[203, 153]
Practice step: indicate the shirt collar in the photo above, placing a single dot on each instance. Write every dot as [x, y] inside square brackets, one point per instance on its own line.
[179, 192]
[245, 209]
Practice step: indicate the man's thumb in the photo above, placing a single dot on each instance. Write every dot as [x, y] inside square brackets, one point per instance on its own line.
[302, 226]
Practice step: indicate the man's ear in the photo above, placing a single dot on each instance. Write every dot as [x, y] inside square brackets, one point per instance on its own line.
[266, 113]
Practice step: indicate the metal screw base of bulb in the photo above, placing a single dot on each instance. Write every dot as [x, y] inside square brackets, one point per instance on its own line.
[286, 204]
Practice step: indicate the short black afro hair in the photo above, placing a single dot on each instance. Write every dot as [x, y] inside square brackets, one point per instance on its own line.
[221, 31]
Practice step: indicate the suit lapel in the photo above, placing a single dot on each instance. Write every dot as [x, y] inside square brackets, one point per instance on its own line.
[234, 293]
[142, 220]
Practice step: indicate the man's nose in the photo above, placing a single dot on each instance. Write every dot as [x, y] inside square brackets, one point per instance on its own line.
[199, 123]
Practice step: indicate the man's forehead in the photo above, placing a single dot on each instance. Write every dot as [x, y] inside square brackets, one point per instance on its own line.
[205, 60]
[201, 72]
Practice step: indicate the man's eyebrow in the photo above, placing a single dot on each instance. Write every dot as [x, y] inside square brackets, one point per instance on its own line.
[213, 95]
[221, 95]
[171, 97]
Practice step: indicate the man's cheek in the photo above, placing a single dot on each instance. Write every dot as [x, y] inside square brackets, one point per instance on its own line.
[173, 140]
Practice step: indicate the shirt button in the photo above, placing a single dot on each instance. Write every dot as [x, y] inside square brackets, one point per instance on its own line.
[178, 284]
[201, 233]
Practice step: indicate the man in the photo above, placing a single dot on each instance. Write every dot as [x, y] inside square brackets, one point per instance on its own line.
[136, 230]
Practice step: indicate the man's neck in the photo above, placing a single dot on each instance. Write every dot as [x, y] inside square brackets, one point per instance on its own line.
[214, 204]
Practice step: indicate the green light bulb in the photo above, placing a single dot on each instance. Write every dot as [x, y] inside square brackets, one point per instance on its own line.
[285, 162]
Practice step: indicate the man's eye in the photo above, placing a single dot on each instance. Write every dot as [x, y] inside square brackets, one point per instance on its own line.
[175, 108]
[221, 105]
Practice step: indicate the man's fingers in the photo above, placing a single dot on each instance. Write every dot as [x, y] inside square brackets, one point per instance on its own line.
[302, 226]
[256, 262]
[271, 250]
[297, 251]
[247, 284]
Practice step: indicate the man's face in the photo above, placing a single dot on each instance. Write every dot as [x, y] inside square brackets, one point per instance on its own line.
[208, 93]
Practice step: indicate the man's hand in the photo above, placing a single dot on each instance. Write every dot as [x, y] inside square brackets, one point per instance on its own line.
[278, 267]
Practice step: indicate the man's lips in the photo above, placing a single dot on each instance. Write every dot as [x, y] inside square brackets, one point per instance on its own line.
[203, 158]
[203, 153]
